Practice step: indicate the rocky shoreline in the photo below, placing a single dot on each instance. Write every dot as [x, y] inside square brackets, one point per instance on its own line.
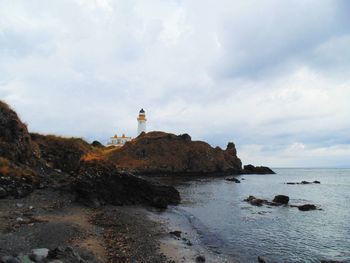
[65, 200]
[51, 220]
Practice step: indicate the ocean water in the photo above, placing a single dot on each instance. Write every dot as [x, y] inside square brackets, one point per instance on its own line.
[229, 226]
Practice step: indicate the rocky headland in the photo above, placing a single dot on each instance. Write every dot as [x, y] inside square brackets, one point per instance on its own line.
[65, 195]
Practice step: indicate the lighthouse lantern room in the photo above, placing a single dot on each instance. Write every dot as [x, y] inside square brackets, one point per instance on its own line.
[141, 122]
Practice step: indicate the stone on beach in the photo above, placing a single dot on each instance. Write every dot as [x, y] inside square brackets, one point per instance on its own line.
[200, 259]
[176, 233]
[39, 254]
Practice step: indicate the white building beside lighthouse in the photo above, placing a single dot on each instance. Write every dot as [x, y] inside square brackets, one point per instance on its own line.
[141, 127]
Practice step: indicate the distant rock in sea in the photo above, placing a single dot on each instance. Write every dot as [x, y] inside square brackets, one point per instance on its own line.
[251, 169]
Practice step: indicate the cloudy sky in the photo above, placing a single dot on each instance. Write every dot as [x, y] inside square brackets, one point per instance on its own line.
[272, 76]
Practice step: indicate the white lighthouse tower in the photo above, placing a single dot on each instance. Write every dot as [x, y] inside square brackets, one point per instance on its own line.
[141, 127]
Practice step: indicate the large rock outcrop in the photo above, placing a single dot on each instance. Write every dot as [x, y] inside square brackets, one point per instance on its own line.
[15, 141]
[19, 160]
[61, 153]
[99, 182]
[164, 153]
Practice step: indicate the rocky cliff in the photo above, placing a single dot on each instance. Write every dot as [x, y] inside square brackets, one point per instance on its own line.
[30, 161]
[15, 142]
[164, 153]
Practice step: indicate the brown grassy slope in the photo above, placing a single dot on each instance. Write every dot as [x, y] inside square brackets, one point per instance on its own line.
[61, 153]
[160, 152]
[15, 142]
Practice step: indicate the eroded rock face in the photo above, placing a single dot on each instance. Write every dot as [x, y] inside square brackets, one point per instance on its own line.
[61, 153]
[15, 141]
[18, 154]
[165, 153]
[251, 169]
[99, 183]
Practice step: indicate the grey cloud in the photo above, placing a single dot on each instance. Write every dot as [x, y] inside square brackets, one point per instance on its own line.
[264, 75]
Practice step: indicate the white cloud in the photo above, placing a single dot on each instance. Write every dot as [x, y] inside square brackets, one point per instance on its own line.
[269, 74]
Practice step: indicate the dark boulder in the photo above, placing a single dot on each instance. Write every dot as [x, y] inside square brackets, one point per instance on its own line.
[176, 233]
[307, 207]
[99, 182]
[200, 259]
[251, 169]
[281, 199]
[232, 179]
[255, 201]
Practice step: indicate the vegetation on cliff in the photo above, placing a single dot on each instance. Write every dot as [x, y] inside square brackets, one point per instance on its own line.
[165, 153]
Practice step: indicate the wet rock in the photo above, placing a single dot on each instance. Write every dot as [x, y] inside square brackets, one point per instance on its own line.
[176, 233]
[307, 207]
[200, 259]
[281, 199]
[251, 169]
[255, 201]
[261, 259]
[232, 179]
[304, 182]
[39, 254]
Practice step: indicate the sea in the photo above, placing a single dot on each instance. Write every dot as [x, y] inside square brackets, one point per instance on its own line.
[227, 225]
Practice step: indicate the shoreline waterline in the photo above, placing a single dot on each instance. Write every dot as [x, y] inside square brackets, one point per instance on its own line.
[237, 230]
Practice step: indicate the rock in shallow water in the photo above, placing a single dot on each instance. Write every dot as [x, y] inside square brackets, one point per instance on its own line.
[232, 179]
[281, 199]
[306, 207]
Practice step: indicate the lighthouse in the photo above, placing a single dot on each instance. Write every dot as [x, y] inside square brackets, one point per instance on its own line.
[141, 127]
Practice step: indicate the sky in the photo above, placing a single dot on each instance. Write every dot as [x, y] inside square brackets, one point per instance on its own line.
[272, 76]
